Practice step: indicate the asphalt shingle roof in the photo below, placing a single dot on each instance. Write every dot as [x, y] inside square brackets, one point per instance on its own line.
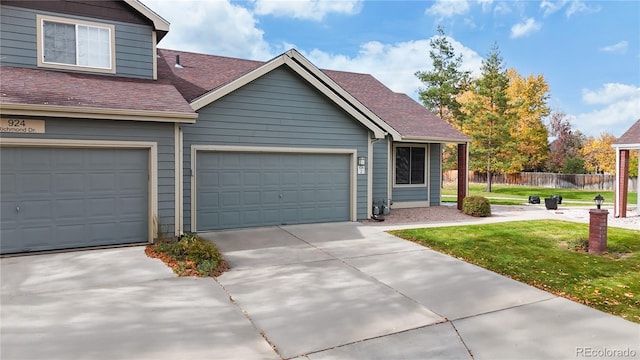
[631, 136]
[47, 87]
[199, 74]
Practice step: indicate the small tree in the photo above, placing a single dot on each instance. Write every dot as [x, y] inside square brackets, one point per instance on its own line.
[599, 155]
[566, 145]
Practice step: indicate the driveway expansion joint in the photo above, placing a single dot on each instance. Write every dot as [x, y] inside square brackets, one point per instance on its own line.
[248, 317]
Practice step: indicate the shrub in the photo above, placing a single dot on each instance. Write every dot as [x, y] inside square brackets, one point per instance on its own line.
[189, 256]
[477, 206]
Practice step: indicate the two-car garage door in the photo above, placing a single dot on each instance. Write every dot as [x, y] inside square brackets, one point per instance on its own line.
[248, 189]
[57, 198]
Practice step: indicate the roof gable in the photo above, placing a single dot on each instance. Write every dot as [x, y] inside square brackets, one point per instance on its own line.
[630, 137]
[224, 75]
[203, 79]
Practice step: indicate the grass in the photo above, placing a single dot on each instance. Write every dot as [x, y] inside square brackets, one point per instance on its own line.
[549, 254]
[517, 194]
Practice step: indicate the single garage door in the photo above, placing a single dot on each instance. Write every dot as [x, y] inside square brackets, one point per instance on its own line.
[243, 189]
[59, 198]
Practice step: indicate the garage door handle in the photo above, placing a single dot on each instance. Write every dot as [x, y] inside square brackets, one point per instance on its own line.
[17, 208]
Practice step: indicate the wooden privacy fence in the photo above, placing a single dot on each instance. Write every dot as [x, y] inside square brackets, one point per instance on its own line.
[547, 180]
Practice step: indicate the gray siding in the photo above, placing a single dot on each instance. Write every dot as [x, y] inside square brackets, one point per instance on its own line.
[279, 109]
[435, 174]
[161, 133]
[134, 46]
[380, 176]
[406, 194]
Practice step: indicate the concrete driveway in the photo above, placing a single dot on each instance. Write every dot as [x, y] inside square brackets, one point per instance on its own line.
[117, 304]
[324, 291]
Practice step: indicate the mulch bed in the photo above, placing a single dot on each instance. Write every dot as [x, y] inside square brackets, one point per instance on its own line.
[183, 267]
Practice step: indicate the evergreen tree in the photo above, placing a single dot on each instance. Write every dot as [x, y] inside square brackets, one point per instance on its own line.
[489, 121]
[442, 86]
[444, 82]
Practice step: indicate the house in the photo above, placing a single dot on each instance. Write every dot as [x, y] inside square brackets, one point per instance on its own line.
[106, 139]
[629, 141]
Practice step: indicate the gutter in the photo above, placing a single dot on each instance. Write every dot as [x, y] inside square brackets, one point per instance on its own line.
[97, 113]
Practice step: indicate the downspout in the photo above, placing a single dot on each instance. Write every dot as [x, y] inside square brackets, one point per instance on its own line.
[370, 176]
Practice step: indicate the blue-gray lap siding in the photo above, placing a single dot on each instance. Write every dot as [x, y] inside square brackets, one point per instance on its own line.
[420, 193]
[380, 175]
[279, 109]
[134, 45]
[108, 130]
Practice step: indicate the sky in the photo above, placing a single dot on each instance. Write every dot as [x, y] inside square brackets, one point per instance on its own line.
[587, 51]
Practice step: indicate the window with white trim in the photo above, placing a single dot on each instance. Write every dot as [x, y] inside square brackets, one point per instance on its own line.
[67, 43]
[410, 165]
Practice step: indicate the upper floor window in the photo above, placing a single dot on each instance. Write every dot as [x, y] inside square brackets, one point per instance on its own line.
[75, 44]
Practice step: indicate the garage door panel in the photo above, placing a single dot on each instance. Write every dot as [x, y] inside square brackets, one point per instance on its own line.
[276, 188]
[33, 210]
[8, 182]
[36, 183]
[231, 198]
[251, 198]
[70, 208]
[68, 183]
[69, 159]
[270, 197]
[32, 159]
[73, 197]
[251, 178]
[231, 217]
[271, 178]
[100, 183]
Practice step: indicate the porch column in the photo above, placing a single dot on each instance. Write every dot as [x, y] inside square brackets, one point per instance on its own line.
[463, 173]
[622, 185]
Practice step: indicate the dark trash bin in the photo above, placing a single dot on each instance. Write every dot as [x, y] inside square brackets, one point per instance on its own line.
[551, 203]
[558, 199]
[534, 199]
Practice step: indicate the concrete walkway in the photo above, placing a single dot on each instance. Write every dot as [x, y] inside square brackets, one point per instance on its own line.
[323, 291]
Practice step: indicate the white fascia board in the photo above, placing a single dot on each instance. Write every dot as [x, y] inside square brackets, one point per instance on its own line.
[9, 109]
[626, 146]
[158, 22]
[330, 84]
[433, 140]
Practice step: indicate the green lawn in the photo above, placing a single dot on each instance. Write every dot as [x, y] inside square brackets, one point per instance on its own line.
[543, 254]
[516, 194]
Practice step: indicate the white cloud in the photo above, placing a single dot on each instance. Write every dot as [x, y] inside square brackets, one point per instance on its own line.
[222, 28]
[448, 8]
[575, 6]
[620, 47]
[212, 27]
[394, 65]
[610, 93]
[619, 106]
[307, 9]
[525, 28]
[550, 7]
